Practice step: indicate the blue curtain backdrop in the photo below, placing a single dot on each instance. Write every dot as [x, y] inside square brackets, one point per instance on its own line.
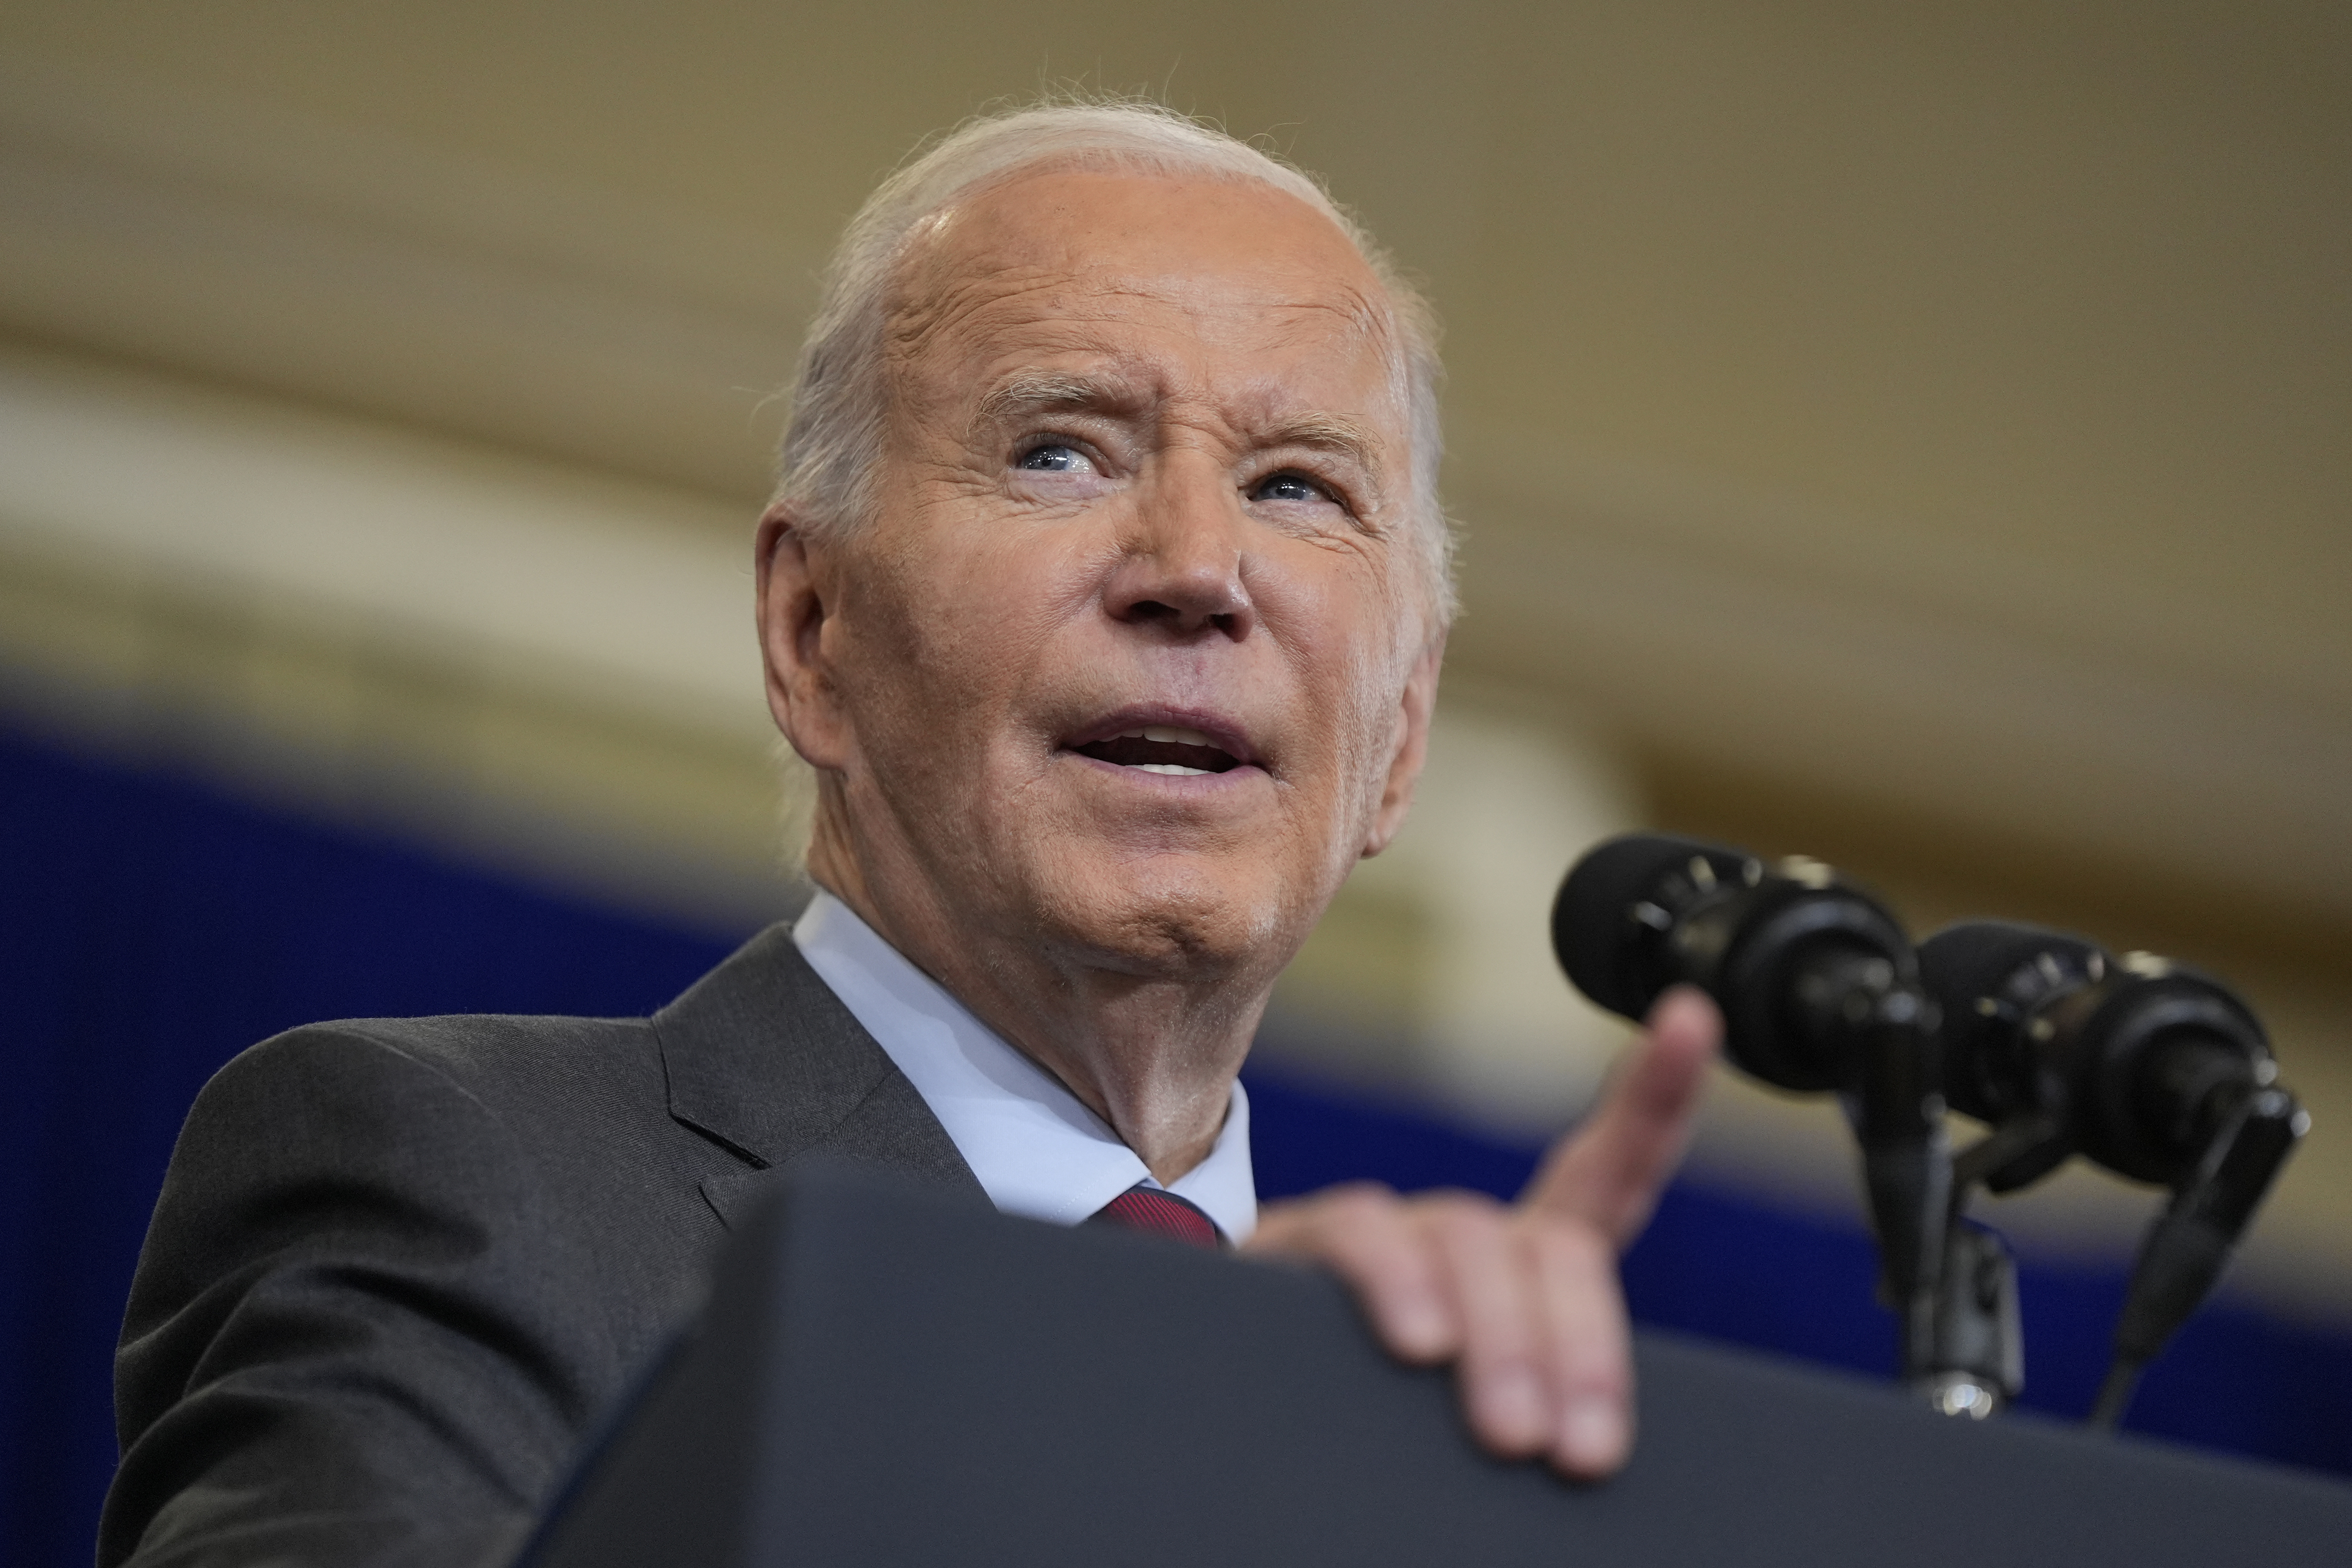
[151, 927]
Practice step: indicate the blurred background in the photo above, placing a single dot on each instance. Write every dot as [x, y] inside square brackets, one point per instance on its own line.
[1920, 437]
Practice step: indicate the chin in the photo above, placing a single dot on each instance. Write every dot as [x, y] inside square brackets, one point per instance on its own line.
[1174, 916]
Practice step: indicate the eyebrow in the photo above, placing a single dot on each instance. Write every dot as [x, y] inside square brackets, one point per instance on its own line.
[1329, 433]
[1028, 393]
[1024, 395]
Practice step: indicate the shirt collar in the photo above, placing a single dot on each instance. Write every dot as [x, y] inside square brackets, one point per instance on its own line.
[1036, 1147]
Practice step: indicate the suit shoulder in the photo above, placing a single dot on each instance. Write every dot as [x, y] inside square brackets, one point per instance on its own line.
[399, 1259]
[499, 1060]
[463, 1047]
[584, 1100]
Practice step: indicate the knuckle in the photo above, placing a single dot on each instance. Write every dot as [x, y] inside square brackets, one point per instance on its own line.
[1590, 1355]
[1571, 1245]
[1335, 1216]
[1361, 1200]
[1466, 1215]
[1453, 1201]
[1597, 1377]
[1350, 1212]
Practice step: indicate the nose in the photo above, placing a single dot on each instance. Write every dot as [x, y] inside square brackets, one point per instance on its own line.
[1181, 563]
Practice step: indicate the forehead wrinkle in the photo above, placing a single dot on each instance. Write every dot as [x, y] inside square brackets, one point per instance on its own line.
[1121, 384]
[943, 280]
[1297, 310]
[1367, 323]
[948, 299]
[1054, 304]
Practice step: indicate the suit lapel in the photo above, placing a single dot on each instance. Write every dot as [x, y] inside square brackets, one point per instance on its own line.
[762, 1057]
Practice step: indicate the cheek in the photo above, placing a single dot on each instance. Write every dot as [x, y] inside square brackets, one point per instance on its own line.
[1353, 664]
[1342, 628]
[950, 623]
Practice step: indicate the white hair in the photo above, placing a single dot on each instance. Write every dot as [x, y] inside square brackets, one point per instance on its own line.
[840, 403]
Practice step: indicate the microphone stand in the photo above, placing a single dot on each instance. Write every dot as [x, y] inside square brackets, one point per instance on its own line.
[2186, 1246]
[1897, 1111]
[1978, 1359]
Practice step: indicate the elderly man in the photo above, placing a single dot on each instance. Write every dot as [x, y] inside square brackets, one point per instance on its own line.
[1105, 594]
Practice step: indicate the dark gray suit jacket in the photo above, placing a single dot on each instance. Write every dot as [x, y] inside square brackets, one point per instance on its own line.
[401, 1268]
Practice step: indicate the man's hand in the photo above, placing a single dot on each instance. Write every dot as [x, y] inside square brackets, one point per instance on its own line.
[1524, 1298]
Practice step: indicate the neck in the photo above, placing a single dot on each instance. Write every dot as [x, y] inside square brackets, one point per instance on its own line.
[1154, 1054]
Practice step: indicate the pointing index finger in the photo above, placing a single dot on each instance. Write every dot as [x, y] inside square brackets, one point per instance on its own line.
[1610, 1171]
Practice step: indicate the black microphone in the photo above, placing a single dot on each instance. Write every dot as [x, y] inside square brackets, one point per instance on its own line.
[2158, 1072]
[1818, 988]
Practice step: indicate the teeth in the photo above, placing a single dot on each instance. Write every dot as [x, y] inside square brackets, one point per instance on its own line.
[1168, 735]
[1177, 769]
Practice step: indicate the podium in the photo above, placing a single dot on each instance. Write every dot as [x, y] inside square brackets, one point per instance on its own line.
[882, 1377]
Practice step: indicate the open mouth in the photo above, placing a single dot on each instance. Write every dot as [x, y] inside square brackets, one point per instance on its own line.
[1161, 749]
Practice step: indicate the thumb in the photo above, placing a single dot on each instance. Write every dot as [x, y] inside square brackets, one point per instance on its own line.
[1610, 1171]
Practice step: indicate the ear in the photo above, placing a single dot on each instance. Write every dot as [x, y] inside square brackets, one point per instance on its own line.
[1418, 702]
[796, 609]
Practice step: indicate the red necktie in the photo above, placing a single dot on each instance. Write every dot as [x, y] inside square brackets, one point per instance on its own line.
[1160, 1212]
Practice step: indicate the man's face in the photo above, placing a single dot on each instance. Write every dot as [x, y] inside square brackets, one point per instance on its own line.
[1131, 657]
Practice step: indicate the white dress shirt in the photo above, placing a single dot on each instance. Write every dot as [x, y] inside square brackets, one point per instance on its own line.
[1036, 1147]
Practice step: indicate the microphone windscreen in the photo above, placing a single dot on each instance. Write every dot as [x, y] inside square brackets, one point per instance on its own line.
[1593, 932]
[1960, 967]
[1962, 962]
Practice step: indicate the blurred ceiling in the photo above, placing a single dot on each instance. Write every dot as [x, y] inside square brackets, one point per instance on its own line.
[1921, 429]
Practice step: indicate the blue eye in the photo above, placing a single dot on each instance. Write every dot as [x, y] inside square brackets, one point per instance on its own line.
[1054, 459]
[1288, 487]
